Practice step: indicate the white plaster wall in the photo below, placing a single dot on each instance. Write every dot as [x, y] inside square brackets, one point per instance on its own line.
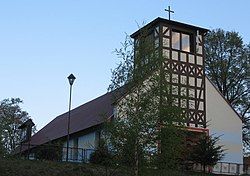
[222, 120]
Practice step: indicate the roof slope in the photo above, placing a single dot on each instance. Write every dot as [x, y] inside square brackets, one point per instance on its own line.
[85, 116]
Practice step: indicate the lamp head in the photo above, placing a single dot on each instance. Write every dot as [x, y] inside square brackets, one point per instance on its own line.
[71, 79]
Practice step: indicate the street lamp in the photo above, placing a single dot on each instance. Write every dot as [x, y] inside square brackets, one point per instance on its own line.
[71, 79]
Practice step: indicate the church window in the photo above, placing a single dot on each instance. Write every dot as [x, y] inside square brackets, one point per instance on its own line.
[185, 42]
[176, 40]
[182, 41]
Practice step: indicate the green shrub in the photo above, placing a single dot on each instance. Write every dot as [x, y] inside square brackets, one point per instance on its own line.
[101, 156]
[49, 152]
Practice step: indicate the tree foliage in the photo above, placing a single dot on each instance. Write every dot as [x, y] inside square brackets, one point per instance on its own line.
[147, 122]
[102, 155]
[11, 117]
[51, 151]
[228, 66]
[206, 151]
[2, 149]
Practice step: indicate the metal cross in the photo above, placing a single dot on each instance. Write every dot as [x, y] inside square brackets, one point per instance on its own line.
[169, 12]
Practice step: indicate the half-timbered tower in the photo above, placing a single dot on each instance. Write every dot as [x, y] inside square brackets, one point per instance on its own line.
[182, 49]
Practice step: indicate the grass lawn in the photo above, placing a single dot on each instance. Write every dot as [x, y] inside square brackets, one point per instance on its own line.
[18, 167]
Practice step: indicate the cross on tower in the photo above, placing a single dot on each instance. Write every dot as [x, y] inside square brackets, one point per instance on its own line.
[169, 12]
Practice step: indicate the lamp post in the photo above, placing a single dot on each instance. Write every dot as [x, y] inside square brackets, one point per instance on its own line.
[71, 79]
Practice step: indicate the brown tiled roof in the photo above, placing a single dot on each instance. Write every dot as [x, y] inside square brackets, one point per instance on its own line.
[83, 117]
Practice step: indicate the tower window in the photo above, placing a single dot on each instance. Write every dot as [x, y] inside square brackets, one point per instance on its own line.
[176, 40]
[182, 41]
[185, 42]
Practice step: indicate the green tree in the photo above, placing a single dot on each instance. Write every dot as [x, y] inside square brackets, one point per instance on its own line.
[206, 151]
[103, 157]
[228, 65]
[128, 134]
[2, 149]
[11, 117]
[146, 112]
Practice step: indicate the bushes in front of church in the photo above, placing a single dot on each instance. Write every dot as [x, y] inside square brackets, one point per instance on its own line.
[101, 155]
[206, 151]
[52, 152]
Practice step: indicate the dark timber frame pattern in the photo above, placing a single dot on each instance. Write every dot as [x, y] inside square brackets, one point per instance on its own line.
[194, 104]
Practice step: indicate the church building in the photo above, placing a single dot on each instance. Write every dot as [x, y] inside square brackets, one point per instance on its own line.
[182, 45]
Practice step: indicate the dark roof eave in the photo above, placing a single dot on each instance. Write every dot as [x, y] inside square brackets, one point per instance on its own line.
[158, 20]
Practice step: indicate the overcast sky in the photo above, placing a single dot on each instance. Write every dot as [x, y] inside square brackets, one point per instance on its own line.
[43, 41]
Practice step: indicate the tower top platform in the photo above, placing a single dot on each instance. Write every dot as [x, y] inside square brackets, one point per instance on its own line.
[159, 20]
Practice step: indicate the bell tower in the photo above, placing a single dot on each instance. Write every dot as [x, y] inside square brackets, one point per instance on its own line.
[182, 48]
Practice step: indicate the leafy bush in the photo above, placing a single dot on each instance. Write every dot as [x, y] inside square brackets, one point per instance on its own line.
[102, 155]
[49, 152]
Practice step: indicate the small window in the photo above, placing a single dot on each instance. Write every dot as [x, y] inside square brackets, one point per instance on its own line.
[185, 42]
[182, 41]
[176, 40]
